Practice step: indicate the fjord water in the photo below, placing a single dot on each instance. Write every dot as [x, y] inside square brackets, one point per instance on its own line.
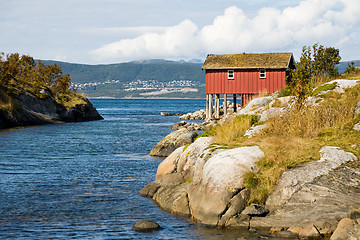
[81, 180]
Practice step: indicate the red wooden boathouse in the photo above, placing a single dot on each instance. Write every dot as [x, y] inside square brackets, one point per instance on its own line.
[243, 74]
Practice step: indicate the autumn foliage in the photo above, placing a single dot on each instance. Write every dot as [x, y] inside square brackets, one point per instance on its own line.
[24, 72]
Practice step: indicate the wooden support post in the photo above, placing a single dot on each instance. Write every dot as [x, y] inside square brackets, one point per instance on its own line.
[207, 106]
[225, 104]
[234, 102]
[210, 106]
[217, 106]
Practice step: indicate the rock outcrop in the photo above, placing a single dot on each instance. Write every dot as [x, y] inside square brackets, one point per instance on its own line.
[266, 107]
[31, 110]
[197, 115]
[342, 84]
[207, 184]
[294, 179]
[204, 182]
[317, 193]
[172, 141]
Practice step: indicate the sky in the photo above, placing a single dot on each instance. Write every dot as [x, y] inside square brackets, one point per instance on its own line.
[114, 31]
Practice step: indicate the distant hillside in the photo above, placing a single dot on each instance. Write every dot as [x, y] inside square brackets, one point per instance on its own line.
[161, 70]
[342, 65]
[133, 78]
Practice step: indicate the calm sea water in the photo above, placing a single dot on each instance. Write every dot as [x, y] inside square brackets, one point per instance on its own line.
[81, 180]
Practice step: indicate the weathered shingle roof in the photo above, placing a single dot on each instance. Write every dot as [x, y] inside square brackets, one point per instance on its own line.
[248, 60]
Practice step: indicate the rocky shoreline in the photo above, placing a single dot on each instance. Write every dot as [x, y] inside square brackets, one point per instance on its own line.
[31, 110]
[206, 182]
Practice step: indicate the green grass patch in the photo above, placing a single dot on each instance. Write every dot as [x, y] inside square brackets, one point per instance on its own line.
[324, 87]
[251, 180]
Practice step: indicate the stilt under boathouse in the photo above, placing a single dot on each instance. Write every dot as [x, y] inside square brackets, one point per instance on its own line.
[243, 75]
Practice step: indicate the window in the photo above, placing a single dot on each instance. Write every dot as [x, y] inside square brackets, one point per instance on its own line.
[230, 74]
[262, 73]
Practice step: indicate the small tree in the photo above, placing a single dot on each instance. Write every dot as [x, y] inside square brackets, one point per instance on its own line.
[299, 84]
[315, 61]
[27, 73]
[325, 60]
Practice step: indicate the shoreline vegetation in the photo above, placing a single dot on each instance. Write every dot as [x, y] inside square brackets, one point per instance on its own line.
[32, 93]
[295, 152]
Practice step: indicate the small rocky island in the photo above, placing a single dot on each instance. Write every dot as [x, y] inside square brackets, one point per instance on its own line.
[32, 93]
[219, 179]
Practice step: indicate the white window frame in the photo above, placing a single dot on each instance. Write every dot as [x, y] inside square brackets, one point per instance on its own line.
[262, 73]
[231, 74]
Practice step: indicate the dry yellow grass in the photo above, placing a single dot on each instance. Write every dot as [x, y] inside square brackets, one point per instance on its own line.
[296, 137]
[281, 153]
[70, 99]
[230, 133]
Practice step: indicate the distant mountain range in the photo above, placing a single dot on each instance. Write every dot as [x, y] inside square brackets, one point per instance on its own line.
[145, 78]
[133, 79]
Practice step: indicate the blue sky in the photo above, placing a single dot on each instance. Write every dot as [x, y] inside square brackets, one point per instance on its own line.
[111, 31]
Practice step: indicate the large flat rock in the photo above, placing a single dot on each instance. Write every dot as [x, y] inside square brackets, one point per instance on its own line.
[325, 199]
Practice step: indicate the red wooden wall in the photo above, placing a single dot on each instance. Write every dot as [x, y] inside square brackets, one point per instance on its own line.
[245, 81]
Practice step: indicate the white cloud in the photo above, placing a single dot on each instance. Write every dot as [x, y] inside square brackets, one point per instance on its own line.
[329, 22]
[171, 43]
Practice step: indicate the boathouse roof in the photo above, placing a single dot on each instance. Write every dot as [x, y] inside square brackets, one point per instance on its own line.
[249, 60]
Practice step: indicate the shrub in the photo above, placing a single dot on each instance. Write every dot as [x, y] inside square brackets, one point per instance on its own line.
[316, 65]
